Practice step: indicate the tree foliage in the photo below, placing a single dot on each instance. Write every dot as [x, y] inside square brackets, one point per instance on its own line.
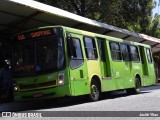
[154, 29]
[134, 15]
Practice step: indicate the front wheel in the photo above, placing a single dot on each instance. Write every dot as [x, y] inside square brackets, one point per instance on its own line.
[95, 91]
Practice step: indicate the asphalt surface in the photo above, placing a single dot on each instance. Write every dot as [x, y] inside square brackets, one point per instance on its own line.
[147, 100]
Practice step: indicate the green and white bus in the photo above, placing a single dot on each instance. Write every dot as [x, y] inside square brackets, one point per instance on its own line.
[57, 61]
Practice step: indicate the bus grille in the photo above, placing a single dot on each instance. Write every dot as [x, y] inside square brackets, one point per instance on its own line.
[38, 85]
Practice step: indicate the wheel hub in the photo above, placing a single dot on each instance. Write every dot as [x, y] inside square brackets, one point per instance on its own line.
[94, 91]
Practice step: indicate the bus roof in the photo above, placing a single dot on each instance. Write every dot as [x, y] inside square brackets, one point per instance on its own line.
[91, 34]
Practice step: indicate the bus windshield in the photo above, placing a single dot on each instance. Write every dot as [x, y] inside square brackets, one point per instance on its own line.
[41, 55]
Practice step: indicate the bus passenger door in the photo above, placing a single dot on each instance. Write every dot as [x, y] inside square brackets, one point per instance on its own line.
[104, 59]
[77, 65]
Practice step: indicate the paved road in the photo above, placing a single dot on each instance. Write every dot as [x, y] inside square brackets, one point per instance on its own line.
[147, 100]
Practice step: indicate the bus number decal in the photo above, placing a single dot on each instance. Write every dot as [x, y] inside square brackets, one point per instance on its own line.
[117, 74]
[50, 77]
[136, 67]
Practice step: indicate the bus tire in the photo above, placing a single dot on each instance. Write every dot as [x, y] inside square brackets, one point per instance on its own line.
[136, 89]
[95, 91]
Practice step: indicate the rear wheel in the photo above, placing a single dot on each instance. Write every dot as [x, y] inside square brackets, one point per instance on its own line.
[137, 86]
[95, 91]
[136, 89]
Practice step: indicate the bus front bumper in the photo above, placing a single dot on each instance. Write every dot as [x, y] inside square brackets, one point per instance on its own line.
[55, 92]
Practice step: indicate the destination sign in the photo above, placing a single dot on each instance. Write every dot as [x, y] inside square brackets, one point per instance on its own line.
[35, 34]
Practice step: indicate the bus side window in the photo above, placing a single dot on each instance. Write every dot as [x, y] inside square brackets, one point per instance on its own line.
[115, 51]
[125, 52]
[90, 48]
[134, 53]
[149, 55]
[75, 52]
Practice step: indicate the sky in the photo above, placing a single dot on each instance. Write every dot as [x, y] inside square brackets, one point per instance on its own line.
[156, 9]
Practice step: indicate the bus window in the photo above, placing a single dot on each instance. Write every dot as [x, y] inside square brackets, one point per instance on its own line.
[134, 53]
[149, 55]
[142, 55]
[115, 51]
[49, 50]
[101, 44]
[90, 48]
[43, 55]
[75, 52]
[23, 62]
[125, 52]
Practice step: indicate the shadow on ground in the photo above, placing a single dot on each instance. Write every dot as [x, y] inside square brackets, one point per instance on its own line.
[154, 87]
[64, 102]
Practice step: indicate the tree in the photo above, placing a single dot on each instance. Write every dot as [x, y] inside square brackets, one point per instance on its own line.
[134, 15]
[94, 9]
[154, 29]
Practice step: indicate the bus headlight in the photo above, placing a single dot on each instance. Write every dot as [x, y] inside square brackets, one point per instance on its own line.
[61, 78]
[15, 87]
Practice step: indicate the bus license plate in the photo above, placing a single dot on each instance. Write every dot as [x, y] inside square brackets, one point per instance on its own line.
[37, 95]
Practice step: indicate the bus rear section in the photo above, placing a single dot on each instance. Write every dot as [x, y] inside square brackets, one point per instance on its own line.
[125, 65]
[39, 65]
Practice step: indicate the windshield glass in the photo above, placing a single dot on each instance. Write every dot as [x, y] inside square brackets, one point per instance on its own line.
[41, 55]
[23, 59]
[49, 54]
